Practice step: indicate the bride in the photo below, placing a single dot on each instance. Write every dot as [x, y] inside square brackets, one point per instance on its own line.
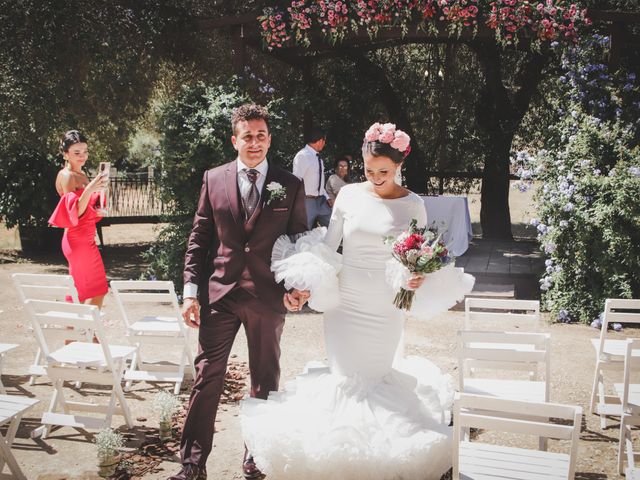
[368, 414]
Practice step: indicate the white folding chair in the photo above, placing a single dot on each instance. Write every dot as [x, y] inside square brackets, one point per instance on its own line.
[94, 363]
[4, 347]
[157, 321]
[500, 355]
[629, 395]
[516, 313]
[476, 460]
[610, 355]
[12, 408]
[58, 288]
[511, 365]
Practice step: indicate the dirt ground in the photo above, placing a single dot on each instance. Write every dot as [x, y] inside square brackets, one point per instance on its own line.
[69, 453]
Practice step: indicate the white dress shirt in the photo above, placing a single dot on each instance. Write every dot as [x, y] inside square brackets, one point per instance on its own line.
[191, 289]
[305, 167]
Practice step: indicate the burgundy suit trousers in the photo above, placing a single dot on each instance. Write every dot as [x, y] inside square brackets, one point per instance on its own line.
[219, 325]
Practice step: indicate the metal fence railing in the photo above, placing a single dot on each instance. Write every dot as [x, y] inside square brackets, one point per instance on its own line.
[133, 197]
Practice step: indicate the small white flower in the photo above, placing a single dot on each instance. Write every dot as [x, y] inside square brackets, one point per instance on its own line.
[276, 192]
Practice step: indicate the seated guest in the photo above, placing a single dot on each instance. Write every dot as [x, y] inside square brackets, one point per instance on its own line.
[338, 180]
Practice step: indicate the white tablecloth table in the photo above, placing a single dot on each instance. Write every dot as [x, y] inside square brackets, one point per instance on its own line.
[451, 213]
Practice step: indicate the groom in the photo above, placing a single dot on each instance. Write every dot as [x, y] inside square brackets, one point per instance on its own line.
[237, 221]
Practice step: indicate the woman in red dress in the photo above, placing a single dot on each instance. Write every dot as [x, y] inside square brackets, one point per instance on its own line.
[78, 212]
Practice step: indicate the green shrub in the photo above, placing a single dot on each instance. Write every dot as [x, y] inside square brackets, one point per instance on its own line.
[589, 227]
[27, 186]
[589, 195]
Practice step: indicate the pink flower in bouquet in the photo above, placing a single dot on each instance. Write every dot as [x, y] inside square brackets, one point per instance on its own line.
[414, 241]
[427, 250]
[400, 249]
[401, 141]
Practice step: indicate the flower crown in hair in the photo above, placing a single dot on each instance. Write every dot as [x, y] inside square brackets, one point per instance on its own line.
[387, 133]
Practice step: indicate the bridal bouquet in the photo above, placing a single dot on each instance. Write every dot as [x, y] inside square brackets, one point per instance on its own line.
[418, 250]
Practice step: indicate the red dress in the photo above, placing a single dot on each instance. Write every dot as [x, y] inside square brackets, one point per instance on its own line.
[79, 244]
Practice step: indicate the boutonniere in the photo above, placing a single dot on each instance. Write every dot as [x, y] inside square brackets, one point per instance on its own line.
[276, 192]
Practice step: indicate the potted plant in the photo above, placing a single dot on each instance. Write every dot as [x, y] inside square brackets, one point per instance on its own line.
[108, 442]
[165, 405]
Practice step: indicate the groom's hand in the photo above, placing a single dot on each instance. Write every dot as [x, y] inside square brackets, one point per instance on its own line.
[191, 312]
[295, 300]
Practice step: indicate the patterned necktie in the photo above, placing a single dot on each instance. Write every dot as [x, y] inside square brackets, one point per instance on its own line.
[319, 172]
[250, 200]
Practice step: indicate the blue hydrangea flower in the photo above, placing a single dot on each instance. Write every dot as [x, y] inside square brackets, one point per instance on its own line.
[563, 316]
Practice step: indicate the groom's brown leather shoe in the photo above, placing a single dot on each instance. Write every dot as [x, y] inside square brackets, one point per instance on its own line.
[189, 471]
[249, 469]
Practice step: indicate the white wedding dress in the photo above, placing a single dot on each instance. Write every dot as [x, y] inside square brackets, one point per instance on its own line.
[369, 414]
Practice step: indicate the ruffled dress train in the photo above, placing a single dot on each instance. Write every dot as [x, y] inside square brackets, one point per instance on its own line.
[368, 413]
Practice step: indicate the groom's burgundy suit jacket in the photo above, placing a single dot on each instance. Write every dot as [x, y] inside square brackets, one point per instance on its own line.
[220, 245]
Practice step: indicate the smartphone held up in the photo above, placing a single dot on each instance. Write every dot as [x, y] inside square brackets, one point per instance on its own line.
[103, 169]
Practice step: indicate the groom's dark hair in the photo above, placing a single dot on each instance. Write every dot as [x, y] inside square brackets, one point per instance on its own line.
[249, 111]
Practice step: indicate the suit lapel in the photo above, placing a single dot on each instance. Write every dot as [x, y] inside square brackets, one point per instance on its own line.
[231, 187]
[265, 211]
[270, 178]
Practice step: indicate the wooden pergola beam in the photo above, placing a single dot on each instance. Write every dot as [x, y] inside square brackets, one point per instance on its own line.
[613, 16]
[245, 31]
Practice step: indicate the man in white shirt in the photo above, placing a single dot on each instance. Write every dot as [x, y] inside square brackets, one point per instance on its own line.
[309, 167]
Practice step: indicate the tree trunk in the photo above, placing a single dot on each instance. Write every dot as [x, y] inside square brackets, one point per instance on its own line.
[444, 107]
[499, 113]
[415, 169]
[495, 217]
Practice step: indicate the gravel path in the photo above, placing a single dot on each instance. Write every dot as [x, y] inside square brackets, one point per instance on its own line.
[69, 453]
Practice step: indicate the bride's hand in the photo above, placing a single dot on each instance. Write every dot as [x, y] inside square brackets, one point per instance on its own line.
[416, 281]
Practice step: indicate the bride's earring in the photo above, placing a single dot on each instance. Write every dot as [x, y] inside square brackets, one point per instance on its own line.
[398, 177]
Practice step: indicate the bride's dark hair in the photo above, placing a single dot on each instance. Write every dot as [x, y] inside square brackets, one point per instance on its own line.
[379, 149]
